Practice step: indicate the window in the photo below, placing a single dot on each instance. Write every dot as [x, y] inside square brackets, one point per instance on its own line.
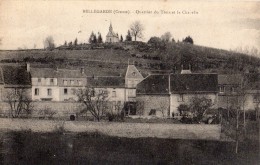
[233, 89]
[180, 98]
[133, 73]
[36, 91]
[71, 82]
[39, 80]
[79, 82]
[65, 91]
[114, 94]
[256, 98]
[222, 89]
[51, 80]
[49, 92]
[113, 105]
[65, 82]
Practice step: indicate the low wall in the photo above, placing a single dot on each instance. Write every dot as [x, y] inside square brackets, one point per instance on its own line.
[60, 108]
[120, 129]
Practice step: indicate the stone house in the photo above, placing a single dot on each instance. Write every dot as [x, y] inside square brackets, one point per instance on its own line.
[113, 85]
[49, 84]
[161, 94]
[14, 78]
[239, 90]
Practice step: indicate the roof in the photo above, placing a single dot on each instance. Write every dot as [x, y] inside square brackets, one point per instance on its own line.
[106, 81]
[16, 76]
[252, 81]
[56, 73]
[44, 72]
[132, 72]
[154, 84]
[229, 79]
[111, 32]
[189, 83]
[179, 83]
[68, 73]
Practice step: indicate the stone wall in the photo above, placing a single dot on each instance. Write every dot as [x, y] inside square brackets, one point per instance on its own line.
[61, 109]
[159, 103]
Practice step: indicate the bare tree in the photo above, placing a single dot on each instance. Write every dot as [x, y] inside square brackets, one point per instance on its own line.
[162, 108]
[49, 43]
[1, 41]
[95, 101]
[137, 29]
[115, 112]
[166, 37]
[19, 103]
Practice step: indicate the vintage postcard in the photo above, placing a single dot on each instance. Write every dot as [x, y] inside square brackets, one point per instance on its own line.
[129, 82]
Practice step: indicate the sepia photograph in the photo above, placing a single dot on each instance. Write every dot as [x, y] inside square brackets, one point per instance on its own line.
[112, 82]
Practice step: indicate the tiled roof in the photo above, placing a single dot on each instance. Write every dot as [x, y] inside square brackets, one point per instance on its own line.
[229, 79]
[16, 76]
[68, 73]
[180, 83]
[44, 72]
[59, 73]
[252, 81]
[106, 81]
[154, 84]
[132, 72]
[189, 83]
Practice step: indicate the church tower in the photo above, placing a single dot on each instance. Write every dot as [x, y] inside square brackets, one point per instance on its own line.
[111, 35]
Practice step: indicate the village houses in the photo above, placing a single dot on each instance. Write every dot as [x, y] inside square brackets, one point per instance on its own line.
[156, 94]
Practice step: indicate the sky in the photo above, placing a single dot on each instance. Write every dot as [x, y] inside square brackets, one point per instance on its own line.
[219, 24]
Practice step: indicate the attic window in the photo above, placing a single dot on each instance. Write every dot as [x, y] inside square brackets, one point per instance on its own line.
[133, 73]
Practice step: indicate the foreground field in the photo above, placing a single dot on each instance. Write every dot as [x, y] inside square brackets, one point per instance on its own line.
[118, 129]
[93, 148]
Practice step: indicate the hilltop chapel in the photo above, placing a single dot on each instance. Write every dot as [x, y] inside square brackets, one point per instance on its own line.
[111, 36]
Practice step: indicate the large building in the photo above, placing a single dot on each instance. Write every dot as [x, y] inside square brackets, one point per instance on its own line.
[111, 36]
[49, 84]
[163, 93]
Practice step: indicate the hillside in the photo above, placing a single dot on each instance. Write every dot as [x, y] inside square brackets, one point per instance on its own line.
[113, 58]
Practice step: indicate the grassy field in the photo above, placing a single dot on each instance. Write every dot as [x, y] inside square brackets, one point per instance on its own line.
[92, 148]
[117, 56]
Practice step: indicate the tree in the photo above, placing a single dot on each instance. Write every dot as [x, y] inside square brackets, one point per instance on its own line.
[162, 108]
[188, 40]
[166, 37]
[121, 38]
[199, 106]
[49, 43]
[92, 38]
[70, 44]
[157, 43]
[76, 42]
[99, 40]
[137, 29]
[94, 101]
[19, 102]
[65, 43]
[128, 36]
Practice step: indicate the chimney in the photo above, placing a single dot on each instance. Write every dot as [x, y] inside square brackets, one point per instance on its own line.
[82, 70]
[28, 67]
